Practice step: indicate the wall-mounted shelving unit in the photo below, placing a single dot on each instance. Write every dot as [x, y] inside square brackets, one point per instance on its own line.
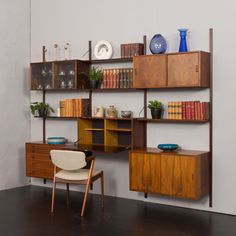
[176, 71]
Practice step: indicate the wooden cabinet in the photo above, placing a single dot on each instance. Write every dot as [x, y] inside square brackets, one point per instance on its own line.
[69, 74]
[190, 69]
[38, 162]
[143, 177]
[183, 174]
[150, 71]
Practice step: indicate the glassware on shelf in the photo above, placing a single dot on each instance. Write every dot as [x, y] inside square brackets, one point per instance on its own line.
[63, 84]
[62, 73]
[70, 84]
[44, 72]
[71, 72]
[48, 86]
[39, 86]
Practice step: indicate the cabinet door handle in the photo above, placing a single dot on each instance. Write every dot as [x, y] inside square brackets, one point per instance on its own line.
[197, 68]
[135, 71]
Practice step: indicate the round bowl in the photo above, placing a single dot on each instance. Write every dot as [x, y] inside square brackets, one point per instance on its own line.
[168, 146]
[126, 114]
[56, 140]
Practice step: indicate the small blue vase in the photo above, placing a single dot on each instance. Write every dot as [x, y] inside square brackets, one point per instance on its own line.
[183, 43]
[158, 44]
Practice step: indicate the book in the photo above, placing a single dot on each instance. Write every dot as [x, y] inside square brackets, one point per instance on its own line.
[62, 108]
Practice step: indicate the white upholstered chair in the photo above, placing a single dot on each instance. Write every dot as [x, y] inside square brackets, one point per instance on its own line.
[71, 164]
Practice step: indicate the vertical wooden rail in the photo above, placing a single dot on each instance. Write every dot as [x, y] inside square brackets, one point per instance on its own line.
[44, 119]
[90, 49]
[91, 99]
[144, 44]
[211, 115]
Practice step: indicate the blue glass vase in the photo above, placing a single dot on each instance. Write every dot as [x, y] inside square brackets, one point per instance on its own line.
[183, 43]
[158, 44]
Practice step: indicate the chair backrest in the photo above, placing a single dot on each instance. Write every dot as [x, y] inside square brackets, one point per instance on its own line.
[68, 160]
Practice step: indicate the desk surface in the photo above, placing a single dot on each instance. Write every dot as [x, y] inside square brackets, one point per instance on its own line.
[84, 147]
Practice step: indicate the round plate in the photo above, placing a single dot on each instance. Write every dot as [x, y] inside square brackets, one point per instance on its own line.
[168, 146]
[103, 50]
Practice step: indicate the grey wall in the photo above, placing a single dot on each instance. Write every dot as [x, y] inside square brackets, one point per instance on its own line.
[14, 96]
[123, 21]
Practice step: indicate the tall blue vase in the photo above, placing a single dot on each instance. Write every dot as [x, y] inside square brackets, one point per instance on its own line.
[183, 43]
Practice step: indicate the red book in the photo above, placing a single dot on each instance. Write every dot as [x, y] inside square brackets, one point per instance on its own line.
[192, 110]
[104, 78]
[184, 110]
[196, 110]
[188, 110]
[201, 111]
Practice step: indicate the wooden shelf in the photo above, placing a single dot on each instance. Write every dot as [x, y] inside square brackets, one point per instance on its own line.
[93, 129]
[113, 60]
[172, 121]
[107, 118]
[58, 118]
[61, 90]
[116, 90]
[119, 130]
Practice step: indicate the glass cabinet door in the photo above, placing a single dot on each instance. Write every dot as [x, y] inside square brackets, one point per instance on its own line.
[41, 76]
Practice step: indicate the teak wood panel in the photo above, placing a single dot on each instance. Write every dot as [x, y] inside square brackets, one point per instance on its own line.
[169, 174]
[189, 69]
[111, 138]
[84, 136]
[144, 172]
[150, 71]
[180, 176]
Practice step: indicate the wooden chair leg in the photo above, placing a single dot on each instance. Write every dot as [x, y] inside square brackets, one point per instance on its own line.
[85, 198]
[102, 189]
[53, 194]
[67, 193]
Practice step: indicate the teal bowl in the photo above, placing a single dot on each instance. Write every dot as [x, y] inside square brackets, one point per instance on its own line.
[56, 140]
[168, 146]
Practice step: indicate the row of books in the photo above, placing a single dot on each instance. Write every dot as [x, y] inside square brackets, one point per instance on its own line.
[117, 78]
[75, 107]
[188, 110]
[131, 49]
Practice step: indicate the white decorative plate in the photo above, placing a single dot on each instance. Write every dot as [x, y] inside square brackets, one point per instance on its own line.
[103, 50]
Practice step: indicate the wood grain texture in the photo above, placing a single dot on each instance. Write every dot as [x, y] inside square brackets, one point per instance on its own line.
[150, 71]
[84, 136]
[111, 138]
[138, 180]
[190, 69]
[172, 174]
[139, 135]
[183, 70]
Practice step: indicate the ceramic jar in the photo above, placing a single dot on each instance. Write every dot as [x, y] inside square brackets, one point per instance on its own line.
[111, 112]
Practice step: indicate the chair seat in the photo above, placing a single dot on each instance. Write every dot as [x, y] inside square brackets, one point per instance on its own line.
[81, 174]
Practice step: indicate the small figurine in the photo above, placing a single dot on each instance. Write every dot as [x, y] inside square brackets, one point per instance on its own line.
[67, 51]
[56, 50]
[44, 50]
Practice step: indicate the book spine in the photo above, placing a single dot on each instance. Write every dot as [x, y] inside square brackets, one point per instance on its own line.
[183, 110]
[62, 108]
[131, 78]
[188, 112]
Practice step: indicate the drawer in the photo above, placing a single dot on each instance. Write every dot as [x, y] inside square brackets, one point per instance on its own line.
[39, 168]
[37, 155]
